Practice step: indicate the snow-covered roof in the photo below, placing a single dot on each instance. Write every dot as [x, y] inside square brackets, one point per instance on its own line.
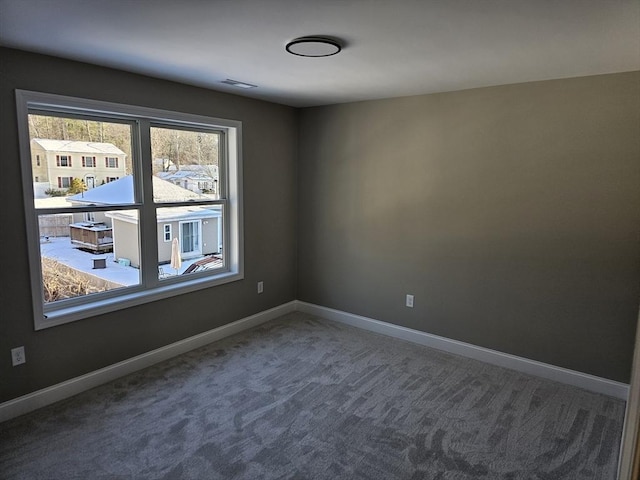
[206, 169]
[185, 174]
[120, 192]
[164, 191]
[71, 146]
[172, 214]
[51, 202]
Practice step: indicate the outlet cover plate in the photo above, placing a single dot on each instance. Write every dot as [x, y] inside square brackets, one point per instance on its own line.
[17, 356]
[409, 302]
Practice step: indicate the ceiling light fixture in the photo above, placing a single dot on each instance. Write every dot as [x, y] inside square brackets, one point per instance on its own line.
[238, 84]
[313, 47]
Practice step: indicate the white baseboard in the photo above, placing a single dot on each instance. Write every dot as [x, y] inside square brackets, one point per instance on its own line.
[60, 391]
[532, 367]
[54, 393]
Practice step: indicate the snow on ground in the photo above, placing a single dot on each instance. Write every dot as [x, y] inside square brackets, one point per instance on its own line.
[60, 249]
[51, 202]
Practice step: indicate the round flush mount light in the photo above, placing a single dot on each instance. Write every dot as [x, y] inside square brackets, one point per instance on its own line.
[313, 47]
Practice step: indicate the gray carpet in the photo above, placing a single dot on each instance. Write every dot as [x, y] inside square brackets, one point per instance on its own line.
[305, 398]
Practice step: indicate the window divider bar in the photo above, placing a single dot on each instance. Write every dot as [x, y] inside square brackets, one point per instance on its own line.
[196, 203]
[148, 217]
[87, 208]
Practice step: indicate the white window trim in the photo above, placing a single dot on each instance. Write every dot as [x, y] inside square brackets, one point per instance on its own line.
[167, 232]
[151, 289]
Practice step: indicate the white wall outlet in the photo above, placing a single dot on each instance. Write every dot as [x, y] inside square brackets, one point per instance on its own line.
[260, 287]
[409, 301]
[17, 356]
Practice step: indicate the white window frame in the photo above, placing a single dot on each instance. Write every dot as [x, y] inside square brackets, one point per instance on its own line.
[111, 162]
[151, 287]
[166, 229]
[88, 159]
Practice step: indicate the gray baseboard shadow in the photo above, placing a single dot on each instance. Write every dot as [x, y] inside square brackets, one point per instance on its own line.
[54, 393]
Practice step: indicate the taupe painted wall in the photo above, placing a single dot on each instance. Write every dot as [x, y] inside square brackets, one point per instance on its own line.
[270, 149]
[512, 213]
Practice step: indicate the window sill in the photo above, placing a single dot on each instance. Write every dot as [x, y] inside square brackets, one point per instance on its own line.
[61, 316]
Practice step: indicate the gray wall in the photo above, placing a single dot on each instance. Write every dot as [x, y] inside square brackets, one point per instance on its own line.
[270, 149]
[512, 213]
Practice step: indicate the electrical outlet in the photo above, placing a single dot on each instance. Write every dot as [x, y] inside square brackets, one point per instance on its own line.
[260, 287]
[17, 356]
[409, 301]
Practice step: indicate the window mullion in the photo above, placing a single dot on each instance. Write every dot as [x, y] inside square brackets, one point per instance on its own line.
[147, 219]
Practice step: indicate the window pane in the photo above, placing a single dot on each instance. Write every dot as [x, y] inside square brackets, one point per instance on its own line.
[197, 242]
[71, 157]
[185, 159]
[78, 256]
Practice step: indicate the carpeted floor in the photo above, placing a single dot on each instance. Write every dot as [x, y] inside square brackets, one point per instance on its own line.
[305, 398]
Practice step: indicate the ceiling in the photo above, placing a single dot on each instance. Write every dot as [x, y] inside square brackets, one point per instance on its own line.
[391, 47]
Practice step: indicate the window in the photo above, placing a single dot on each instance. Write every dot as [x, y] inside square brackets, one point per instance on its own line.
[38, 160]
[63, 160]
[139, 221]
[111, 162]
[65, 182]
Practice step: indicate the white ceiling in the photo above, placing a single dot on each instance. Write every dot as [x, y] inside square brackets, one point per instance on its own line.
[392, 47]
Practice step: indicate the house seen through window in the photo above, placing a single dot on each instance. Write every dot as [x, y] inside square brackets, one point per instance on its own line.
[167, 222]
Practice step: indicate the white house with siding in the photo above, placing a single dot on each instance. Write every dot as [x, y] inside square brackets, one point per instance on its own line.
[55, 163]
